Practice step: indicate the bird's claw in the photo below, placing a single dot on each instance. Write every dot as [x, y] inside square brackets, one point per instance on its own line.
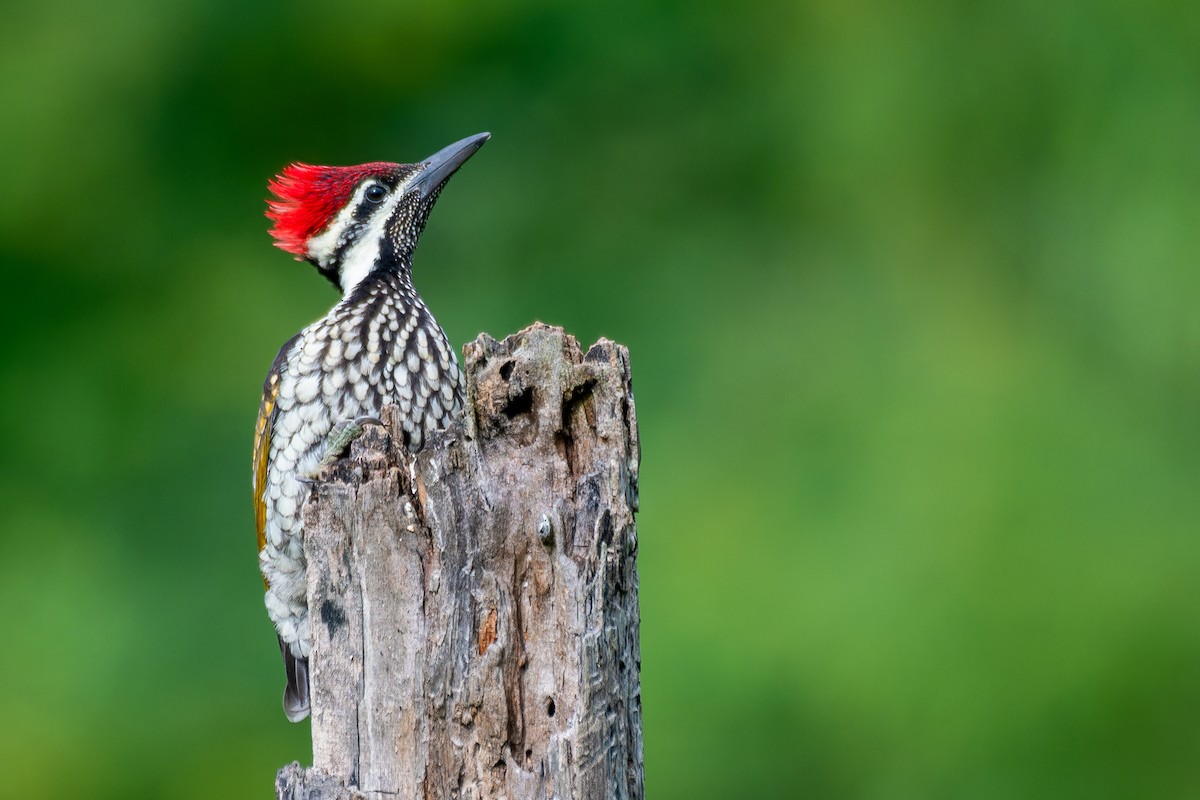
[340, 438]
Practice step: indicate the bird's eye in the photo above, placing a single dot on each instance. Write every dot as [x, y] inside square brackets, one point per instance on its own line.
[376, 193]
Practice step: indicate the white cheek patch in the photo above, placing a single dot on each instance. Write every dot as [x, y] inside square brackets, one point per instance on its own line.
[322, 246]
[359, 259]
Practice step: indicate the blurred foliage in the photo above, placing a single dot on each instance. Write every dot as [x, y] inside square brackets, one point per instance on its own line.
[911, 294]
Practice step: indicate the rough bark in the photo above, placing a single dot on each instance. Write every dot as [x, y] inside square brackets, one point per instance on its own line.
[475, 608]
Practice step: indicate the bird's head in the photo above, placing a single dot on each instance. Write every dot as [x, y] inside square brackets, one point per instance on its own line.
[351, 221]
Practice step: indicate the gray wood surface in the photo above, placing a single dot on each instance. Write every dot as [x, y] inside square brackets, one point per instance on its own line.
[475, 609]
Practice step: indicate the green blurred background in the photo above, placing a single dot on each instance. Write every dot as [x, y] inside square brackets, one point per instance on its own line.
[910, 290]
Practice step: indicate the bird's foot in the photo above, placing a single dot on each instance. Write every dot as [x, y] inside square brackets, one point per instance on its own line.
[340, 438]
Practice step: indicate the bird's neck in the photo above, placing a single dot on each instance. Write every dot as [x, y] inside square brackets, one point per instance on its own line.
[371, 255]
[380, 290]
[365, 266]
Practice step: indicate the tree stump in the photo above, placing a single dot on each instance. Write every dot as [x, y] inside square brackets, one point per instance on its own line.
[475, 607]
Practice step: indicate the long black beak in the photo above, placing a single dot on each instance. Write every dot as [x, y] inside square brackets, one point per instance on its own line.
[442, 164]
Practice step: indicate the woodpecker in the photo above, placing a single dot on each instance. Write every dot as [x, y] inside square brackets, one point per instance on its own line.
[377, 346]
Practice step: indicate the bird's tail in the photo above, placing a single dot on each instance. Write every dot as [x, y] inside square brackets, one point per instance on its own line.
[295, 694]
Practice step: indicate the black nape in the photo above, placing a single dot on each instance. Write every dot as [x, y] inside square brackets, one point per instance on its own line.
[331, 275]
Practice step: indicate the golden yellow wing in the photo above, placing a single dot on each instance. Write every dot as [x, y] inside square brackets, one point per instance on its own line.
[262, 451]
[262, 442]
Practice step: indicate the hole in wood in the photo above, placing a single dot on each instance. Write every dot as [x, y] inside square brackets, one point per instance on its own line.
[549, 706]
[506, 370]
[577, 397]
[521, 404]
[333, 616]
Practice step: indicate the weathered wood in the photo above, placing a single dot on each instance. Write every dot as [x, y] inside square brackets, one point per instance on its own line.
[475, 608]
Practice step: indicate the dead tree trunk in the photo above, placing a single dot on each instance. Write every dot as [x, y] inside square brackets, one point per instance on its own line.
[475, 608]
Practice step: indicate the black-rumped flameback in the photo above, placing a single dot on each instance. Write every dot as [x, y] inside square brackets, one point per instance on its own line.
[379, 345]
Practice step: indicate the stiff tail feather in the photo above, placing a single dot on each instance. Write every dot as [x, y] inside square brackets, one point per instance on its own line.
[295, 694]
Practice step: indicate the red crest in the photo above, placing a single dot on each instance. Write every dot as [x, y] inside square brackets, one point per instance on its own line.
[307, 197]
